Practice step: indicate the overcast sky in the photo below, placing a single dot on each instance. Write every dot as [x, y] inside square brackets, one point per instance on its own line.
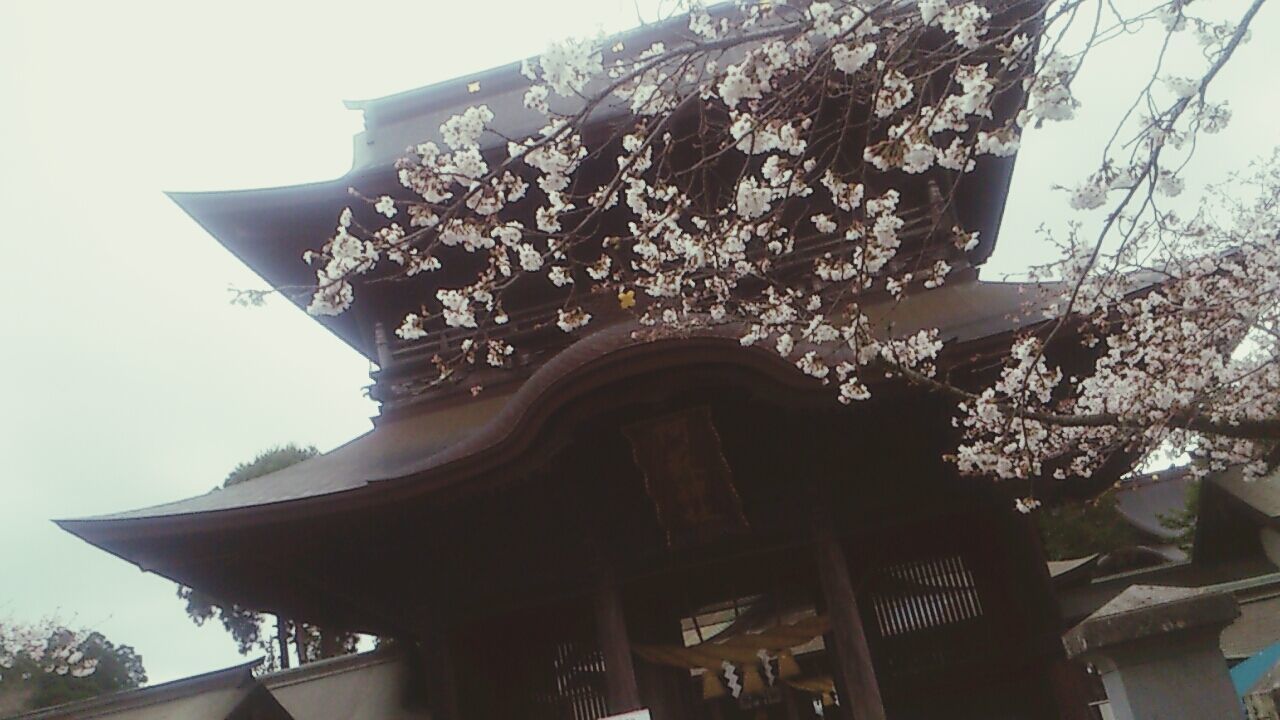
[127, 379]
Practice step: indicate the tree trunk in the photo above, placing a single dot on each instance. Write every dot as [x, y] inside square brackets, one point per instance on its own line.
[300, 640]
[282, 639]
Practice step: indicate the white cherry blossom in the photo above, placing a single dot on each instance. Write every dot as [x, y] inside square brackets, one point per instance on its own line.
[776, 168]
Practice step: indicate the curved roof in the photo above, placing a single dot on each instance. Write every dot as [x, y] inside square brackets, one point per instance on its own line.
[437, 441]
[278, 540]
[1145, 501]
[1261, 494]
[270, 228]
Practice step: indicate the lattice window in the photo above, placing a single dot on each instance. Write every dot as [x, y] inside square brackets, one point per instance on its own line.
[539, 664]
[579, 670]
[915, 596]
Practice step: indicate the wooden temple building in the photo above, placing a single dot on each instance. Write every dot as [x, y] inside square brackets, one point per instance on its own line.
[625, 520]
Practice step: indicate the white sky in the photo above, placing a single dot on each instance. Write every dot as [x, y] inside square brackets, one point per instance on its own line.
[127, 377]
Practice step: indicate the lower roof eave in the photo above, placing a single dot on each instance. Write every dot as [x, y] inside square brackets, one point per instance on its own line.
[430, 452]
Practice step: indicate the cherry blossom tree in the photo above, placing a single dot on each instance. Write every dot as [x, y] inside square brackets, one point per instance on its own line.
[47, 645]
[777, 168]
[47, 663]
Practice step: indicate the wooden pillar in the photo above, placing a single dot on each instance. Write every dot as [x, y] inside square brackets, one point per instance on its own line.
[851, 657]
[441, 682]
[654, 619]
[1068, 694]
[622, 691]
[792, 703]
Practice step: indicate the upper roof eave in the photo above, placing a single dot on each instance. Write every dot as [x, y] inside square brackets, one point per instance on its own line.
[269, 228]
[265, 230]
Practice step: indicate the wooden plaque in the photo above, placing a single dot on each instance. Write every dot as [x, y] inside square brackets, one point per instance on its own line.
[687, 477]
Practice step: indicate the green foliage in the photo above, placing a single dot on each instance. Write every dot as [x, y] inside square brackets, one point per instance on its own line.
[119, 668]
[269, 461]
[320, 643]
[244, 624]
[1184, 519]
[1077, 529]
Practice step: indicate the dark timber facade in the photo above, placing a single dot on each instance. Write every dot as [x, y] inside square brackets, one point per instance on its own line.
[633, 520]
